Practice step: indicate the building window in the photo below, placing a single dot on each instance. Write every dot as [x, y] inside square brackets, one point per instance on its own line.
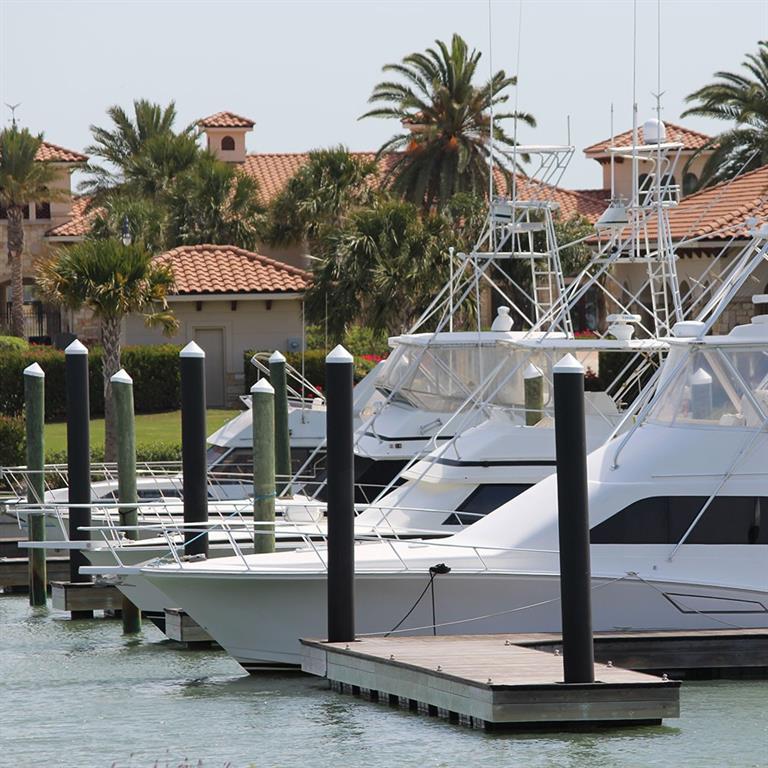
[4, 211]
[228, 143]
[42, 210]
[690, 182]
[643, 190]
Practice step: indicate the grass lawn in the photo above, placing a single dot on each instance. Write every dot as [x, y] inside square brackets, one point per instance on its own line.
[150, 428]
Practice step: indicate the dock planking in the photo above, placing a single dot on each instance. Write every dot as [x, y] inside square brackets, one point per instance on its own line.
[488, 681]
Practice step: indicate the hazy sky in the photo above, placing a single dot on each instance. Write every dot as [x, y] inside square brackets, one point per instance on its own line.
[304, 70]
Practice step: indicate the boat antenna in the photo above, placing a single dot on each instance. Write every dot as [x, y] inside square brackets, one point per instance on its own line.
[613, 158]
[490, 97]
[517, 99]
[635, 190]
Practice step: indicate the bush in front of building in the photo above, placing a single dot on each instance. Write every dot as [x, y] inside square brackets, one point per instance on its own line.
[154, 369]
[13, 342]
[12, 441]
[314, 366]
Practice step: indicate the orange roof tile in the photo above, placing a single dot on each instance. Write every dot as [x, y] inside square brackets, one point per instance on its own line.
[690, 139]
[720, 212]
[204, 269]
[225, 120]
[52, 153]
[273, 171]
[80, 222]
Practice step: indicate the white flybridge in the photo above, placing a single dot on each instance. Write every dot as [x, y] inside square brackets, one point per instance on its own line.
[678, 529]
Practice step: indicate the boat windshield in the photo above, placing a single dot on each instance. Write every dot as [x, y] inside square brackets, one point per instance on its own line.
[718, 387]
[441, 378]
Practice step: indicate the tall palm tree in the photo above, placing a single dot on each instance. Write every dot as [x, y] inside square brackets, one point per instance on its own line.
[322, 192]
[446, 145]
[23, 180]
[742, 99]
[213, 202]
[143, 147]
[112, 280]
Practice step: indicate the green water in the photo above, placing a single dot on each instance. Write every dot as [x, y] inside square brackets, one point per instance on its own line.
[75, 693]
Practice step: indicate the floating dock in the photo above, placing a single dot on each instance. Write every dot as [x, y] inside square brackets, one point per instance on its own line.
[490, 682]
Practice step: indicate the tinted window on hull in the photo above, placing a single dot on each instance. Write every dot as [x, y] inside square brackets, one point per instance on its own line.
[484, 499]
[665, 519]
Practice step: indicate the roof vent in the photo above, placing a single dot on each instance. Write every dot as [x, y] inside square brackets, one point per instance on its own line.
[503, 321]
[654, 131]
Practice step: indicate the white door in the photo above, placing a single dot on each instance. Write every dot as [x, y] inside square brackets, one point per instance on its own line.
[212, 342]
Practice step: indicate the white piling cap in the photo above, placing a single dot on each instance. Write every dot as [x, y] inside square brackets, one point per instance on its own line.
[192, 350]
[277, 357]
[532, 372]
[568, 364]
[700, 377]
[34, 370]
[262, 386]
[76, 348]
[502, 322]
[338, 355]
[121, 377]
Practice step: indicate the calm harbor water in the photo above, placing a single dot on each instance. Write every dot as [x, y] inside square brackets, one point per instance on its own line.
[78, 694]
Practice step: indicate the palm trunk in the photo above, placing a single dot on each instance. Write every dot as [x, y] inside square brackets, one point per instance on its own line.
[110, 340]
[15, 248]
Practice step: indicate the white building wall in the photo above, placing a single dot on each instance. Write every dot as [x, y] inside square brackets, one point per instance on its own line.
[249, 325]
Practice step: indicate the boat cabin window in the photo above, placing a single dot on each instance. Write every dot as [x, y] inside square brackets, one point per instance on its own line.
[214, 453]
[238, 461]
[717, 387]
[441, 377]
[665, 519]
[484, 499]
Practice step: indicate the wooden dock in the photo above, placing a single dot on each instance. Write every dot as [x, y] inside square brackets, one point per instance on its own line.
[489, 681]
[182, 628]
[85, 596]
[697, 653]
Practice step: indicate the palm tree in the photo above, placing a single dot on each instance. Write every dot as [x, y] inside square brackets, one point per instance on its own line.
[127, 138]
[739, 98]
[446, 145]
[112, 280]
[330, 184]
[23, 180]
[381, 268]
[213, 202]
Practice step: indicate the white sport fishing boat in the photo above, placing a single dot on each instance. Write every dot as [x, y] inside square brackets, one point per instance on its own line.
[484, 454]
[679, 535]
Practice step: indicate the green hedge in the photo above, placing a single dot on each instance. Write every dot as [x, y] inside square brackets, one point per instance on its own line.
[159, 451]
[12, 441]
[13, 342]
[314, 367]
[154, 368]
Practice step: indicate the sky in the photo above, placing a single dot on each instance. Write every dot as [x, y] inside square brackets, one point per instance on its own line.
[304, 70]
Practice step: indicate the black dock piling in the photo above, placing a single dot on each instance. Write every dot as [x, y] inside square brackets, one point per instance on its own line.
[78, 458]
[573, 522]
[341, 496]
[193, 437]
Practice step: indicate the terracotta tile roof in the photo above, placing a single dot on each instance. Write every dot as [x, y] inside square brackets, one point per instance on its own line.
[570, 202]
[225, 120]
[690, 139]
[80, 222]
[204, 269]
[599, 194]
[707, 213]
[52, 153]
[274, 170]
